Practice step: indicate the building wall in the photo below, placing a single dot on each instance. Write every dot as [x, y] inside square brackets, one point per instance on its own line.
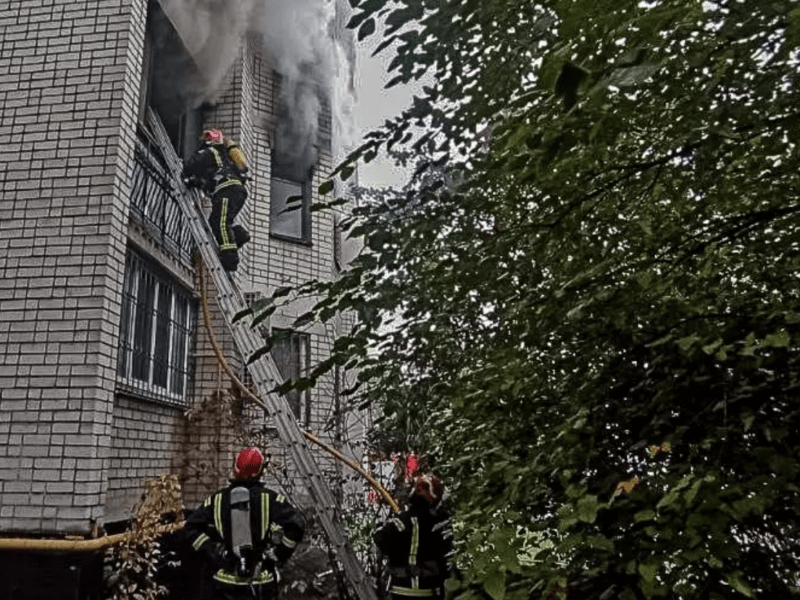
[147, 440]
[68, 92]
[74, 451]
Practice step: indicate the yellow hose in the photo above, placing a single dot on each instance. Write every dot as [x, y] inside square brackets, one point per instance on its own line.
[256, 400]
[75, 545]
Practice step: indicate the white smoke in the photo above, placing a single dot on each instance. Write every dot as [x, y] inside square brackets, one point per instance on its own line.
[306, 42]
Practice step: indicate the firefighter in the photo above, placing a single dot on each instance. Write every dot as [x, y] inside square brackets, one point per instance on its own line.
[418, 543]
[234, 529]
[219, 168]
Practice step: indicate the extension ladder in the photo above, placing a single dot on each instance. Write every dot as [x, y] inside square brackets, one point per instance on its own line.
[263, 371]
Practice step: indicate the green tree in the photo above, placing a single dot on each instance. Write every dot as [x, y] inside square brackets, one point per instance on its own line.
[609, 291]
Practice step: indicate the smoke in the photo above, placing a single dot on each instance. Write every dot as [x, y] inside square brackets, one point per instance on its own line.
[307, 44]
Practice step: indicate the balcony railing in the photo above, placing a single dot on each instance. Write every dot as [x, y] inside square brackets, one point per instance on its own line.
[154, 205]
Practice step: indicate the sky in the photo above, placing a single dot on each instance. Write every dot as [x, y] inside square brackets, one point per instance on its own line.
[373, 105]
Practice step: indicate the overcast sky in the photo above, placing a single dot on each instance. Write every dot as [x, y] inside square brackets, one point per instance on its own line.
[374, 105]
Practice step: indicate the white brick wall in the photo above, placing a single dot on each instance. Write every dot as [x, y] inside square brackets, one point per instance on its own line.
[70, 451]
[66, 97]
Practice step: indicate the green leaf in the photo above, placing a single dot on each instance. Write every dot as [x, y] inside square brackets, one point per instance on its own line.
[712, 347]
[366, 29]
[687, 342]
[649, 571]
[495, 584]
[778, 340]
[326, 187]
[587, 508]
[644, 515]
[260, 352]
[737, 582]
[242, 314]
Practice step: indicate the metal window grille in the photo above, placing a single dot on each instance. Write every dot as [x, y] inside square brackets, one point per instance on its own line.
[158, 319]
[292, 354]
[154, 206]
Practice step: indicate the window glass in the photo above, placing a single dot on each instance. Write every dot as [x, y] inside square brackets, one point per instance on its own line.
[293, 160]
[170, 83]
[291, 353]
[287, 209]
[157, 320]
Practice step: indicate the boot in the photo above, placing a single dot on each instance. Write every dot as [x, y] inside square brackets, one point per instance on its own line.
[241, 235]
[229, 260]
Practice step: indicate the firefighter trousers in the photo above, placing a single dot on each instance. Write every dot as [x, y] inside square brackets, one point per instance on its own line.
[225, 206]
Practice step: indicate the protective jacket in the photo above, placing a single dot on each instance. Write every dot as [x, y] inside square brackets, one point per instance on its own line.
[215, 167]
[418, 544]
[209, 531]
[220, 170]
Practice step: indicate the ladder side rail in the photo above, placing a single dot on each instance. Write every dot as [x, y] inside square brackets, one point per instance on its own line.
[264, 371]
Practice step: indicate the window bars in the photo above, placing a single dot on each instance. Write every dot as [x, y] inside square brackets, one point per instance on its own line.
[157, 321]
[154, 206]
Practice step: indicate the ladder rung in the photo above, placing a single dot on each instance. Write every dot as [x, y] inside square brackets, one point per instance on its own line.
[263, 371]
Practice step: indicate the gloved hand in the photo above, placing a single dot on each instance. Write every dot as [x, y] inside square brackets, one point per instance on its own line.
[268, 559]
[220, 558]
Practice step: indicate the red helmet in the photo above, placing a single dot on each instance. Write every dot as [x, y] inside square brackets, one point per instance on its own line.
[429, 487]
[248, 464]
[212, 136]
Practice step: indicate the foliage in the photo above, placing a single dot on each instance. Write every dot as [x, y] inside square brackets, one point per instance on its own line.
[134, 564]
[598, 258]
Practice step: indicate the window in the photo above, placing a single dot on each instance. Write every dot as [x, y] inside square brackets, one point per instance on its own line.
[291, 352]
[293, 159]
[289, 209]
[169, 78]
[156, 324]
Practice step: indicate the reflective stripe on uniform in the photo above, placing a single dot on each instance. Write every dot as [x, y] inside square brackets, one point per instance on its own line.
[226, 243]
[218, 514]
[416, 592]
[264, 515]
[398, 523]
[226, 183]
[412, 553]
[217, 157]
[233, 579]
[288, 543]
[201, 539]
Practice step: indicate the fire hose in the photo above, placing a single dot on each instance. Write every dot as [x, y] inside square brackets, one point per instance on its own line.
[256, 400]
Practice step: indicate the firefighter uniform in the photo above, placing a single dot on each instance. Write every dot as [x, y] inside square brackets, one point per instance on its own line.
[418, 545]
[220, 170]
[209, 531]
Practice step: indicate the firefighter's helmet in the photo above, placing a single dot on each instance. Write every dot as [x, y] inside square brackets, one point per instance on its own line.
[428, 486]
[212, 136]
[248, 464]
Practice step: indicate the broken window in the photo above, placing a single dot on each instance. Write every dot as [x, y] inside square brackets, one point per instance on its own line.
[294, 154]
[171, 83]
[291, 352]
[156, 323]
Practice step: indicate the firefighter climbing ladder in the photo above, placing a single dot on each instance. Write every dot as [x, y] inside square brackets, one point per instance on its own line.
[264, 373]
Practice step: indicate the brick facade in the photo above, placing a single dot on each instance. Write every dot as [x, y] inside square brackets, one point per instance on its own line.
[75, 444]
[68, 89]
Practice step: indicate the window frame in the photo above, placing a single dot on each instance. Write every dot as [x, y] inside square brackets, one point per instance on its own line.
[158, 318]
[182, 115]
[304, 210]
[300, 368]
